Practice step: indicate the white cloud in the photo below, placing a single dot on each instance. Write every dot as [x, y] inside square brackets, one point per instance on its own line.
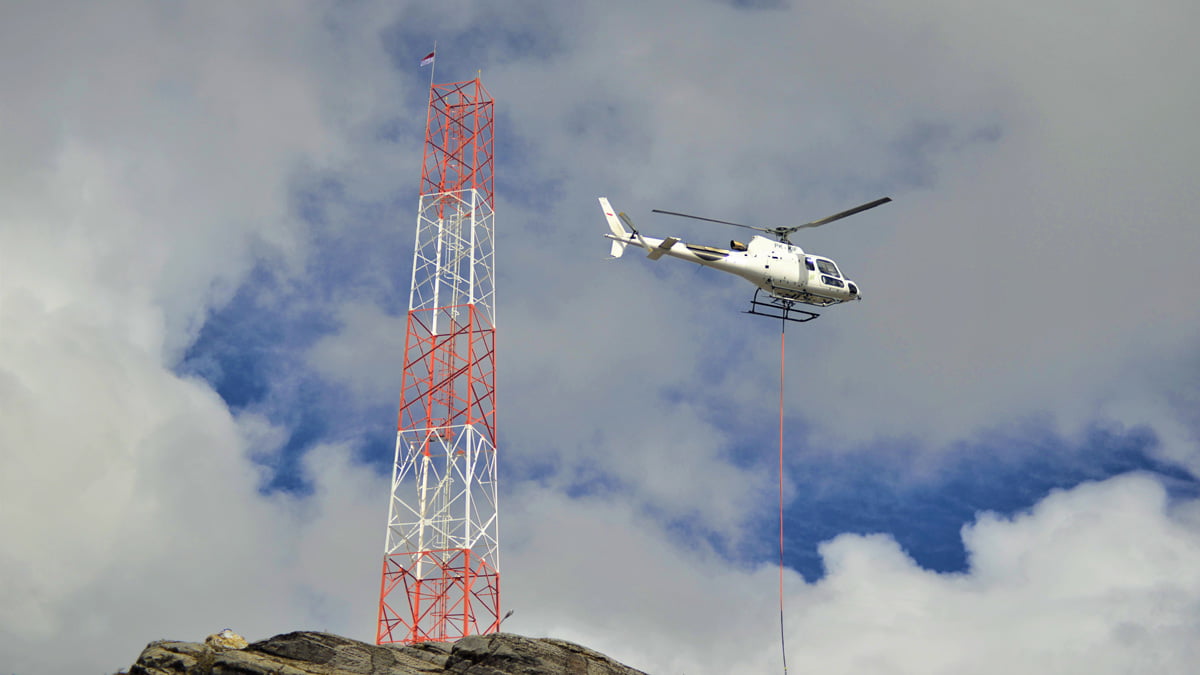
[366, 355]
[139, 190]
[1095, 579]
[126, 491]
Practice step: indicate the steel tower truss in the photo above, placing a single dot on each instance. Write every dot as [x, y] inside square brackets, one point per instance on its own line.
[441, 564]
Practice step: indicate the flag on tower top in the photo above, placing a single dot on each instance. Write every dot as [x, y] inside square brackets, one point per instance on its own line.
[427, 60]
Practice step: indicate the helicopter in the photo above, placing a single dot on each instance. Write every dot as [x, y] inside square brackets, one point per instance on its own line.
[782, 272]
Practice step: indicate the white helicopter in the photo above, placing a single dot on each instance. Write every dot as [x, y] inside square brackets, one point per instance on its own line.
[780, 270]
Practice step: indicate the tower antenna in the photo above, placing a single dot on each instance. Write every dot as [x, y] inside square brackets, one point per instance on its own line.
[441, 562]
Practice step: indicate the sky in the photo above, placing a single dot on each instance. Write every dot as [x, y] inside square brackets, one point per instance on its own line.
[991, 463]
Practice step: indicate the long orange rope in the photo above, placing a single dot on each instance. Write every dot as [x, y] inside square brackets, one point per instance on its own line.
[782, 639]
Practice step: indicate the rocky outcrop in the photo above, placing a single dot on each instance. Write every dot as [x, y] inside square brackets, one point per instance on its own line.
[307, 653]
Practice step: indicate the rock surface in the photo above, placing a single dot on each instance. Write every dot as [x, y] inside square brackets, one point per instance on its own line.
[305, 653]
[226, 639]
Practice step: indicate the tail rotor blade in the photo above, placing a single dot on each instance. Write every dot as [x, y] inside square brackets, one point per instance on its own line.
[627, 221]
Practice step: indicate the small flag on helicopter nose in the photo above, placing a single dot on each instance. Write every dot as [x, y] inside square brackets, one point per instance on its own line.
[427, 60]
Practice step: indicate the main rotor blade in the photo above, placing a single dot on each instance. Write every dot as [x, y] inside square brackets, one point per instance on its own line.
[843, 214]
[713, 220]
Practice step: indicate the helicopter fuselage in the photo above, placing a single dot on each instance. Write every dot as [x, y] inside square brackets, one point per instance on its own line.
[783, 270]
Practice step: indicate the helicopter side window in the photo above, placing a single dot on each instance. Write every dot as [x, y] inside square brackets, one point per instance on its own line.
[832, 281]
[808, 262]
[827, 267]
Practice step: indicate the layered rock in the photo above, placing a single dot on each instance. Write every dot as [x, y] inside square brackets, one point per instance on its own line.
[307, 653]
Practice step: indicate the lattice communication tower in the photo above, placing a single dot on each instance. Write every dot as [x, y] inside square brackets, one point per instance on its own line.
[441, 563]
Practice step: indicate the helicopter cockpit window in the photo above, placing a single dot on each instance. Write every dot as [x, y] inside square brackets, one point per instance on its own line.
[827, 267]
[832, 281]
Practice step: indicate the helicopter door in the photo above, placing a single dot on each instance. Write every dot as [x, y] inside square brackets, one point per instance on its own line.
[784, 270]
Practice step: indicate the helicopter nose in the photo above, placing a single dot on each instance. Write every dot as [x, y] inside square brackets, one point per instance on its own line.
[853, 288]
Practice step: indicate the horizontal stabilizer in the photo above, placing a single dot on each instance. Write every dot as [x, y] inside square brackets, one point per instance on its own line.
[658, 251]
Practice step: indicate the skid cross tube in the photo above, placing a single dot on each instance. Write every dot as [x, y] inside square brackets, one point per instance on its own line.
[779, 308]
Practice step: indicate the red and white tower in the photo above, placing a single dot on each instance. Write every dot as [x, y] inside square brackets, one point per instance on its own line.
[441, 563]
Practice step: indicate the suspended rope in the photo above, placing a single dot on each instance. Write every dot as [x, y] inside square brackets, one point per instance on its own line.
[782, 638]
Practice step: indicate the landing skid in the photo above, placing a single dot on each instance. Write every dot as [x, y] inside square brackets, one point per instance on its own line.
[779, 308]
